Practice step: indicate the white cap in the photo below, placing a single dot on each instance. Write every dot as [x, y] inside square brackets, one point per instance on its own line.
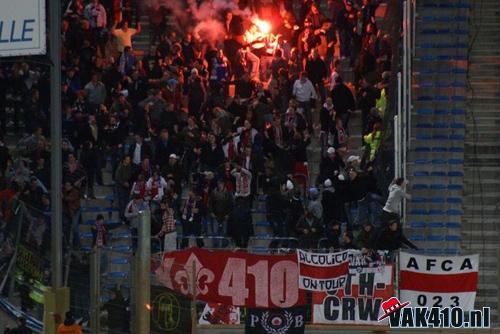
[330, 150]
[341, 177]
[289, 185]
[328, 183]
[353, 158]
[173, 156]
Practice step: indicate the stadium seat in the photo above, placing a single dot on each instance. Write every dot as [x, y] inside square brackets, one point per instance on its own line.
[453, 225]
[418, 224]
[453, 238]
[451, 251]
[424, 111]
[435, 238]
[457, 137]
[117, 274]
[420, 186]
[120, 260]
[455, 187]
[86, 235]
[441, 112]
[422, 161]
[435, 225]
[456, 149]
[436, 212]
[438, 161]
[416, 238]
[438, 186]
[455, 174]
[456, 161]
[418, 212]
[454, 200]
[418, 200]
[454, 212]
[422, 149]
[436, 200]
[438, 174]
[439, 149]
[263, 223]
[421, 174]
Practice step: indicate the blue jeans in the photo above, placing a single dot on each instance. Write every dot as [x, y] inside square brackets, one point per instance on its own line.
[216, 227]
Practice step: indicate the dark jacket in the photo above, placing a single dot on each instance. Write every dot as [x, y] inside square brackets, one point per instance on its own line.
[342, 97]
[385, 239]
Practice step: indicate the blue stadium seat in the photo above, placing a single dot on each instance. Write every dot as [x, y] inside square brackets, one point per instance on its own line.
[456, 149]
[454, 212]
[455, 187]
[457, 125]
[456, 161]
[457, 111]
[263, 223]
[435, 238]
[458, 98]
[435, 225]
[433, 251]
[424, 125]
[442, 84]
[421, 174]
[438, 186]
[122, 248]
[438, 174]
[457, 137]
[453, 225]
[439, 149]
[420, 186]
[418, 224]
[441, 112]
[418, 200]
[425, 84]
[419, 212]
[117, 274]
[420, 136]
[424, 98]
[263, 235]
[451, 251]
[94, 209]
[121, 235]
[86, 235]
[86, 248]
[455, 174]
[417, 238]
[440, 137]
[424, 111]
[458, 84]
[260, 249]
[120, 260]
[422, 161]
[436, 212]
[436, 199]
[438, 161]
[454, 238]
[440, 125]
[454, 200]
[459, 71]
[422, 149]
[441, 98]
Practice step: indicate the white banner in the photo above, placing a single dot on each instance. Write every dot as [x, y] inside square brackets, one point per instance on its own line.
[438, 281]
[322, 271]
[359, 302]
[22, 28]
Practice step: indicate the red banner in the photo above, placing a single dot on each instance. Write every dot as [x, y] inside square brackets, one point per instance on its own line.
[233, 278]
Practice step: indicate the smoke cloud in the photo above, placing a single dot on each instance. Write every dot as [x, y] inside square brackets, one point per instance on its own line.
[203, 20]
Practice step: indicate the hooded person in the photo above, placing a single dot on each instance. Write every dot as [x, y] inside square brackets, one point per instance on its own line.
[69, 326]
[314, 206]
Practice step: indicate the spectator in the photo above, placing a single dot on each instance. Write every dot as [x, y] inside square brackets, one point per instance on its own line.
[123, 182]
[96, 92]
[343, 101]
[309, 229]
[390, 212]
[99, 232]
[69, 326]
[221, 205]
[305, 93]
[118, 313]
[390, 237]
[124, 35]
[168, 230]
[191, 219]
[71, 205]
[240, 226]
[21, 327]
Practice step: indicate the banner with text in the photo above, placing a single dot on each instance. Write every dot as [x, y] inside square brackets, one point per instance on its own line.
[359, 301]
[322, 271]
[284, 321]
[233, 278]
[438, 281]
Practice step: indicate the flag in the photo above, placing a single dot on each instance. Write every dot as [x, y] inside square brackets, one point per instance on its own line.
[275, 321]
[322, 271]
[439, 281]
[219, 314]
[170, 312]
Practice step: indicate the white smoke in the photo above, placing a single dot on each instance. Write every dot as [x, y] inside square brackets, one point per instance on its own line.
[205, 20]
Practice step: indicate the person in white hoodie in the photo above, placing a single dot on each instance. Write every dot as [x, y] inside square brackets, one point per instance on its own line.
[397, 192]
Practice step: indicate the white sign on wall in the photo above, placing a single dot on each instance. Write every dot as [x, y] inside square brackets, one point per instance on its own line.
[22, 28]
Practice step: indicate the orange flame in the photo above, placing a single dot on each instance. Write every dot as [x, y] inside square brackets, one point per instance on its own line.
[263, 26]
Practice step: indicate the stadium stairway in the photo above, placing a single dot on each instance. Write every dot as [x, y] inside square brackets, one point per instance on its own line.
[435, 165]
[480, 231]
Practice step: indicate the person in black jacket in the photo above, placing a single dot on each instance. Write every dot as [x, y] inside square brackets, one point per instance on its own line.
[391, 237]
[20, 329]
[343, 101]
[118, 314]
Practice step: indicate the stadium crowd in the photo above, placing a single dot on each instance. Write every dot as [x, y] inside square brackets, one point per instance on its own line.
[200, 131]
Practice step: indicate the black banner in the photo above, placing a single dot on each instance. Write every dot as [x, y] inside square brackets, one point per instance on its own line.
[276, 321]
[170, 312]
